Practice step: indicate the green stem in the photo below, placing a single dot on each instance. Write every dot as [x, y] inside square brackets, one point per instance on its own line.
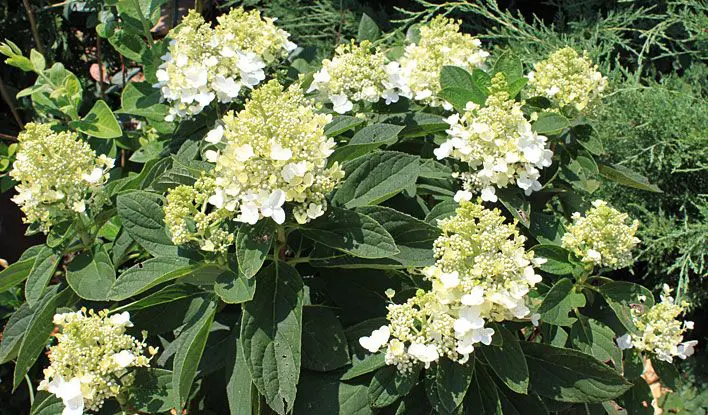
[144, 21]
[30, 389]
[83, 232]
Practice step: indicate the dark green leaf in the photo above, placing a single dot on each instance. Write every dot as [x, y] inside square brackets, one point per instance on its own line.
[191, 343]
[240, 389]
[14, 332]
[510, 65]
[414, 239]
[42, 270]
[234, 288]
[441, 211]
[626, 177]
[15, 273]
[324, 394]
[621, 296]
[550, 123]
[342, 123]
[594, 338]
[37, 334]
[100, 122]
[482, 397]
[324, 346]
[351, 232]
[142, 217]
[143, 100]
[169, 294]
[558, 303]
[389, 384]
[46, 404]
[367, 139]
[369, 364]
[557, 259]
[253, 242]
[376, 177]
[667, 372]
[368, 29]
[148, 274]
[446, 384]
[455, 77]
[571, 376]
[91, 275]
[151, 392]
[270, 333]
[508, 361]
[459, 97]
[588, 138]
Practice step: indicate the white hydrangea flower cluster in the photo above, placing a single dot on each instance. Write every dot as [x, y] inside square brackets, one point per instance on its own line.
[204, 64]
[92, 360]
[272, 152]
[187, 218]
[358, 73]
[498, 144]
[441, 43]
[602, 237]
[46, 197]
[569, 79]
[661, 330]
[482, 273]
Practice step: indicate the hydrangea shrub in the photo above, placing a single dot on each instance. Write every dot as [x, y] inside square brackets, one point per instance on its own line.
[408, 228]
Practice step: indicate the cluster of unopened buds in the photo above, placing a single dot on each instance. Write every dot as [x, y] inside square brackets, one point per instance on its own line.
[602, 236]
[482, 273]
[46, 197]
[659, 330]
[272, 153]
[92, 359]
[358, 73]
[568, 79]
[204, 64]
[440, 43]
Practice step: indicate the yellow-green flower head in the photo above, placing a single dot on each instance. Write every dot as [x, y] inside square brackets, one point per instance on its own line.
[498, 144]
[481, 262]
[602, 237]
[660, 330]
[357, 73]
[274, 151]
[482, 273]
[421, 331]
[92, 359]
[187, 218]
[203, 64]
[441, 43]
[568, 79]
[59, 175]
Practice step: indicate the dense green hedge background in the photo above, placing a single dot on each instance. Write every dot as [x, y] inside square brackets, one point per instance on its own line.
[655, 119]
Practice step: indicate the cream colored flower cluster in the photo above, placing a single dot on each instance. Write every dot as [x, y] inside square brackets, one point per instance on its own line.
[602, 237]
[272, 152]
[92, 359]
[482, 273]
[569, 79]
[497, 143]
[441, 43]
[661, 330]
[204, 64]
[358, 73]
[187, 218]
[59, 175]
